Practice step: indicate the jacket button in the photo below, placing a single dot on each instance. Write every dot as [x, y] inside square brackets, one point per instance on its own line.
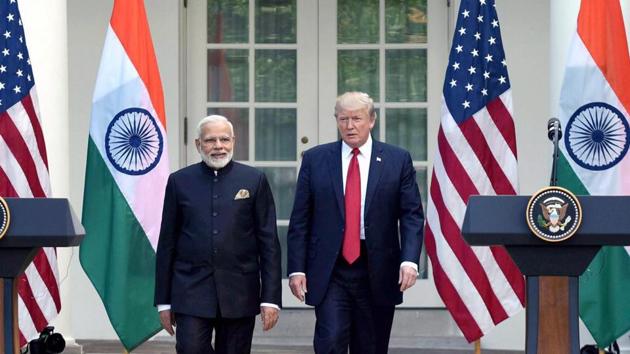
[215, 196]
[214, 213]
[215, 232]
[216, 180]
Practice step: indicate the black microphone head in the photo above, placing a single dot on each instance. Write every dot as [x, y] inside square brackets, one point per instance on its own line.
[553, 126]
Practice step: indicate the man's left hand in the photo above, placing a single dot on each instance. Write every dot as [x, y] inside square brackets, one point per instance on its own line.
[407, 277]
[269, 317]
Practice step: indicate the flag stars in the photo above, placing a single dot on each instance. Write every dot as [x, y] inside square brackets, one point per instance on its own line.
[20, 56]
[3, 69]
[19, 73]
[7, 34]
[6, 52]
[466, 104]
[488, 58]
[453, 83]
[502, 79]
[492, 40]
[504, 62]
[1, 86]
[466, 13]
[21, 39]
[28, 77]
[475, 53]
[17, 89]
[455, 66]
[472, 70]
[480, 18]
[459, 48]
[486, 75]
[462, 31]
[495, 23]
[482, 2]
[484, 92]
[477, 36]
[469, 87]
[10, 17]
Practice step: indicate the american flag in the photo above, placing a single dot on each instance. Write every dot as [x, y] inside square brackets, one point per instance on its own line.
[481, 286]
[24, 167]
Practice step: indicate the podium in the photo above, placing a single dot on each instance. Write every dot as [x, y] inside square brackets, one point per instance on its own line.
[551, 326]
[35, 223]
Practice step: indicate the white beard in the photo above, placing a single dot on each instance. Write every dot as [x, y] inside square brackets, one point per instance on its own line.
[216, 163]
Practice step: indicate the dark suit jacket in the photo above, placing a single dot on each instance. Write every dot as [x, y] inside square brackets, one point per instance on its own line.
[215, 250]
[392, 204]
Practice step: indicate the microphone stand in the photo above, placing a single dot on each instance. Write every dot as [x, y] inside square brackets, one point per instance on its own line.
[556, 153]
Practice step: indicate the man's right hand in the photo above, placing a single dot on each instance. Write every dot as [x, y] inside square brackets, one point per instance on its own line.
[167, 318]
[297, 283]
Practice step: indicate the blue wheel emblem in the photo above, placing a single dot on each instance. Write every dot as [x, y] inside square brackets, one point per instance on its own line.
[133, 141]
[597, 136]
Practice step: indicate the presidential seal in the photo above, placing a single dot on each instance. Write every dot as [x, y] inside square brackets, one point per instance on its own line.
[554, 214]
[5, 217]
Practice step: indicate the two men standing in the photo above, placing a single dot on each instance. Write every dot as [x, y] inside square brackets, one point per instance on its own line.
[354, 240]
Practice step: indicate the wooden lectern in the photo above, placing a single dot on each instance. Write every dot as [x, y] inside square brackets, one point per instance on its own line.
[35, 223]
[552, 322]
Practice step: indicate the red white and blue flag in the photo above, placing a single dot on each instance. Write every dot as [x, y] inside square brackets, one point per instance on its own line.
[24, 168]
[476, 155]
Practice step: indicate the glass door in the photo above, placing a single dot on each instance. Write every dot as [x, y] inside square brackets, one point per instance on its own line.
[275, 67]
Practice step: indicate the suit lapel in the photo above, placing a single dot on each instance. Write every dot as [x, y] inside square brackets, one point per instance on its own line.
[334, 166]
[376, 167]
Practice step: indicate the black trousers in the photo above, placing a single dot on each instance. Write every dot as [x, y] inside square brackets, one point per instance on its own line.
[232, 335]
[347, 317]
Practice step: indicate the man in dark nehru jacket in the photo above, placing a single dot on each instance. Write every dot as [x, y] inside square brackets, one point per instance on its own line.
[355, 233]
[218, 257]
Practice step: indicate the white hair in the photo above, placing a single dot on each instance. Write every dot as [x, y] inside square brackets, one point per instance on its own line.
[355, 100]
[215, 118]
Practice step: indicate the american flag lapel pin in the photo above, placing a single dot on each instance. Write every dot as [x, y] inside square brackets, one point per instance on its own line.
[378, 159]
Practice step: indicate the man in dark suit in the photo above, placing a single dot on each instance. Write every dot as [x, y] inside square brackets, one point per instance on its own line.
[355, 233]
[218, 257]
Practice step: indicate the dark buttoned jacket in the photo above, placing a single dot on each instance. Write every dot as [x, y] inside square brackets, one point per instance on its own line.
[393, 220]
[218, 250]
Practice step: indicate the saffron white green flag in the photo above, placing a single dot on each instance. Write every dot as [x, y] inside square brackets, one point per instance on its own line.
[594, 106]
[126, 173]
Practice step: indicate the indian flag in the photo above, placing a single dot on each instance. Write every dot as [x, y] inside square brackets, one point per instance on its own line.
[594, 106]
[126, 173]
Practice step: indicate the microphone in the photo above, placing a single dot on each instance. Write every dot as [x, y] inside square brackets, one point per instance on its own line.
[553, 128]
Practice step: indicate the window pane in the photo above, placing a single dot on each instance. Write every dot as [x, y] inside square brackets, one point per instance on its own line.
[276, 75]
[406, 75]
[357, 21]
[282, 236]
[228, 21]
[282, 182]
[275, 21]
[406, 21]
[407, 128]
[227, 75]
[240, 120]
[276, 134]
[357, 70]
[421, 179]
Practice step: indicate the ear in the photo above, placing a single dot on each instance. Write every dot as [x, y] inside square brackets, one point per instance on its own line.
[198, 145]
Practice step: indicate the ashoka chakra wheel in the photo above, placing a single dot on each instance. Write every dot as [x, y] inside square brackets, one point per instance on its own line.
[597, 136]
[133, 141]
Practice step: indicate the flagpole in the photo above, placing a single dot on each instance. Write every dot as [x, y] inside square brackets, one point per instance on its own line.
[478, 346]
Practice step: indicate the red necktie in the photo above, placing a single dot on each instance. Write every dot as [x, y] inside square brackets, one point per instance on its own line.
[351, 236]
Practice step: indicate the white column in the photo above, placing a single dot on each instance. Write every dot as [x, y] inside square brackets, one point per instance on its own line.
[45, 24]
